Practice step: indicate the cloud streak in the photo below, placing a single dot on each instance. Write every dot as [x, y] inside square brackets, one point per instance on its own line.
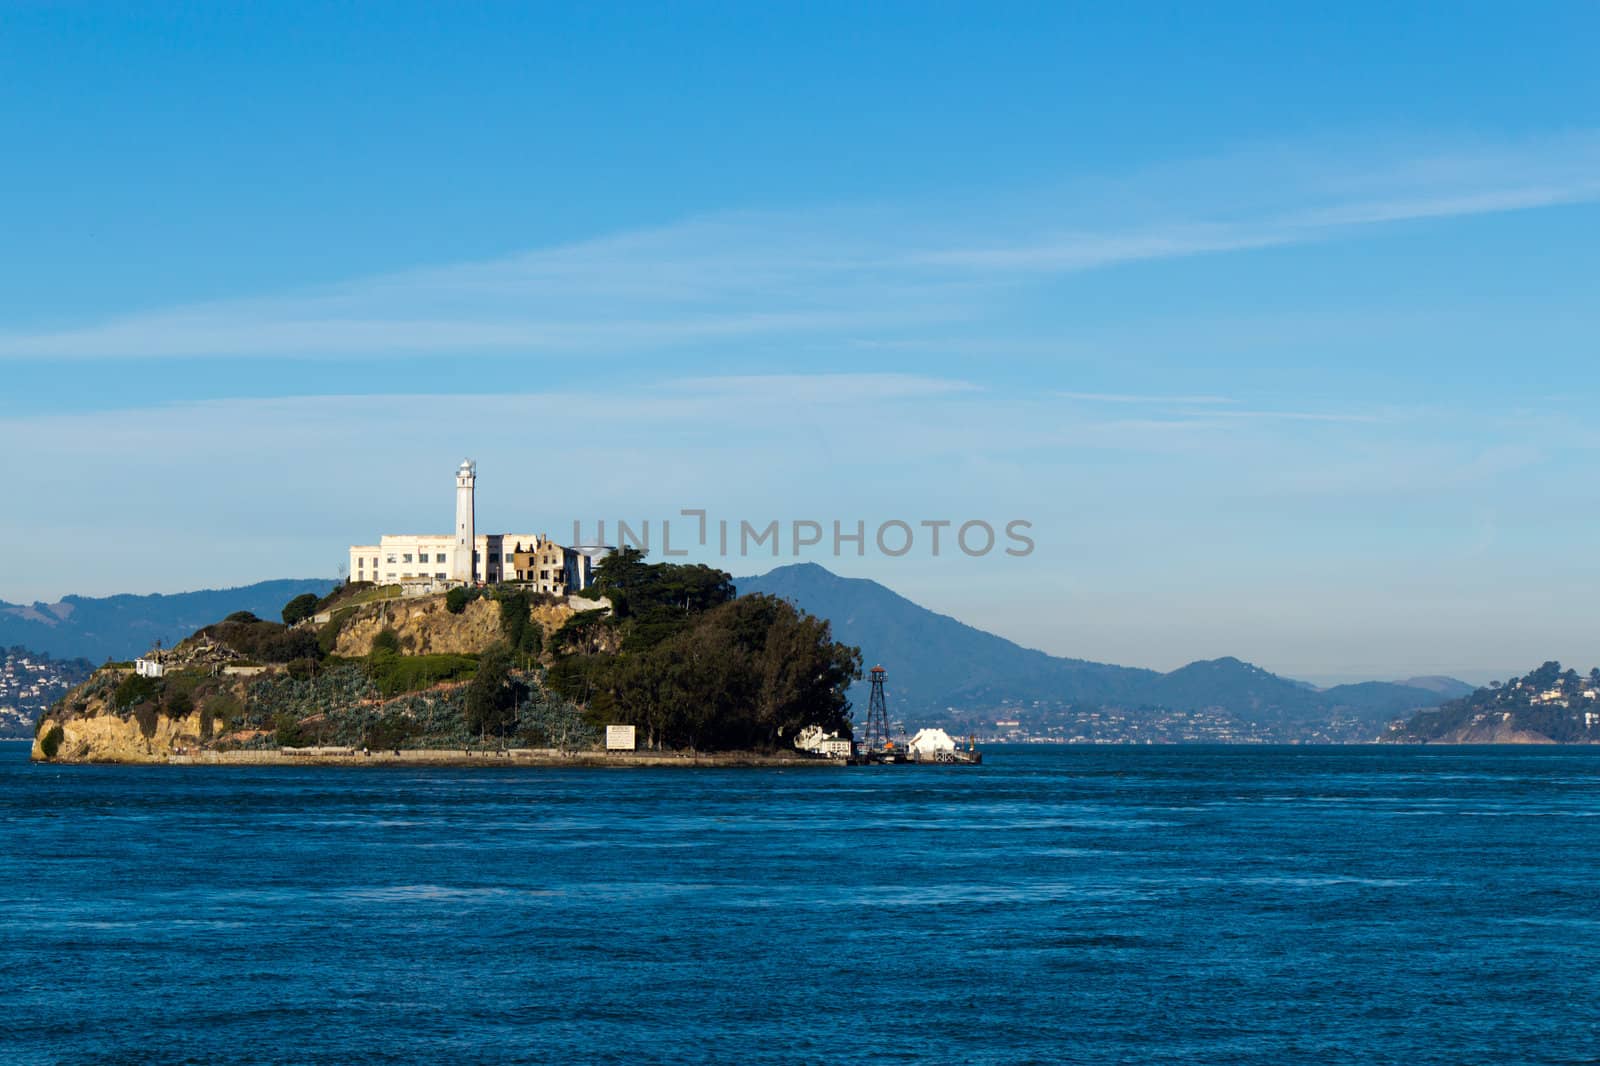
[740, 277]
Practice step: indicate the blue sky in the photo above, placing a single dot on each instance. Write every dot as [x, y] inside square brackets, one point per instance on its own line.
[1279, 326]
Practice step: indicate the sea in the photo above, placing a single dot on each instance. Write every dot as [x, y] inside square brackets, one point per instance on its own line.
[1367, 904]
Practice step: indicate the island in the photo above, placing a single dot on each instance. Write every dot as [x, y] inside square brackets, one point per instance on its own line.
[379, 673]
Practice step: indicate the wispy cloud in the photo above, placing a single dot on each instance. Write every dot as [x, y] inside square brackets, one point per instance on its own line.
[822, 388]
[1136, 398]
[843, 275]
[1210, 411]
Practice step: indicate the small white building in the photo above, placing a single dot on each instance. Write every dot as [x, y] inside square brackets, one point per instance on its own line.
[814, 740]
[149, 668]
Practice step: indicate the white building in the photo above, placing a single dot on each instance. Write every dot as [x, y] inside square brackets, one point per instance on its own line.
[442, 559]
[814, 739]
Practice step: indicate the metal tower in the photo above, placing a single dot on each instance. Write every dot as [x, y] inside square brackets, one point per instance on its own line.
[876, 737]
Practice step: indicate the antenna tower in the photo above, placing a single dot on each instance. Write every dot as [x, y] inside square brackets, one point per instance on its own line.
[877, 733]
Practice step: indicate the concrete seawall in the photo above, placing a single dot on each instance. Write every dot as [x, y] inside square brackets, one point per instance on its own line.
[534, 757]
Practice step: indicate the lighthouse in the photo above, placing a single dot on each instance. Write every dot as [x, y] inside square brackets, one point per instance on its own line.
[462, 564]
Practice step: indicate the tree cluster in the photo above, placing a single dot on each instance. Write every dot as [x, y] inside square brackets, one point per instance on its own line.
[700, 669]
[656, 600]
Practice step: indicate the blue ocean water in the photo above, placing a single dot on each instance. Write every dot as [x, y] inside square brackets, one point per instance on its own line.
[1107, 905]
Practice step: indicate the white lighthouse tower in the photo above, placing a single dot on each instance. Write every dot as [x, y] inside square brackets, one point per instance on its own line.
[462, 567]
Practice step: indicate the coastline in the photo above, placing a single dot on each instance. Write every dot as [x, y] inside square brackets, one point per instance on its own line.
[521, 757]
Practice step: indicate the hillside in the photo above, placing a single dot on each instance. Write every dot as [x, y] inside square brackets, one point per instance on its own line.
[121, 627]
[934, 660]
[939, 667]
[29, 683]
[1546, 706]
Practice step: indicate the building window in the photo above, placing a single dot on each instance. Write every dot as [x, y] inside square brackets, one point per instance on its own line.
[391, 559]
[405, 558]
[439, 577]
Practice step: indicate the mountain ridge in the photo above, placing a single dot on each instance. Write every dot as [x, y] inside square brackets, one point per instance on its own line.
[940, 664]
[125, 625]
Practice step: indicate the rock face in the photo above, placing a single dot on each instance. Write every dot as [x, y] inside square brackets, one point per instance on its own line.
[108, 738]
[425, 626]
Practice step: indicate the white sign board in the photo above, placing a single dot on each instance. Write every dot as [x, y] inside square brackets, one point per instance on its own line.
[620, 738]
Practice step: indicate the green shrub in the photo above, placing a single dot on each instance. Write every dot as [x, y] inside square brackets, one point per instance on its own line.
[398, 674]
[134, 690]
[456, 600]
[244, 617]
[328, 635]
[386, 641]
[179, 704]
[221, 706]
[287, 731]
[52, 742]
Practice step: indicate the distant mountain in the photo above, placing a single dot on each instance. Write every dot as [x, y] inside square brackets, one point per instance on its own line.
[1243, 689]
[122, 627]
[1447, 687]
[937, 664]
[935, 661]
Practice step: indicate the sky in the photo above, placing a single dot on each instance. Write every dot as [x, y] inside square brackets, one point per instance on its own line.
[1277, 326]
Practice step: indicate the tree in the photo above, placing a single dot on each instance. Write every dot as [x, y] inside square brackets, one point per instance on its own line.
[300, 608]
[1546, 676]
[522, 634]
[491, 695]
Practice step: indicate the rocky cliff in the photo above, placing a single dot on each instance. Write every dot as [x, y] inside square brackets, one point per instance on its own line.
[109, 738]
[425, 625]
